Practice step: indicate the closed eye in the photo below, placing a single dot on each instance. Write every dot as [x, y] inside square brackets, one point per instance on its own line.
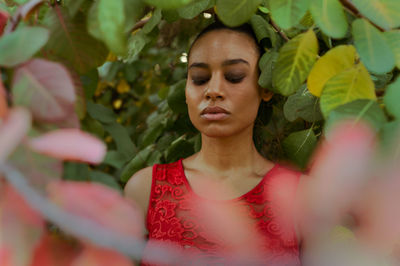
[200, 81]
[234, 78]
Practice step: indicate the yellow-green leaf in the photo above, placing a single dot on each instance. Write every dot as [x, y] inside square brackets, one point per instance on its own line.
[346, 87]
[287, 13]
[336, 60]
[330, 17]
[393, 39]
[236, 12]
[384, 13]
[295, 61]
[372, 46]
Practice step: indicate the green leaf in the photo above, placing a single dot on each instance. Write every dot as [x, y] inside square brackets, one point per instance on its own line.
[15, 48]
[330, 17]
[194, 8]
[151, 134]
[70, 43]
[304, 105]
[288, 13]
[359, 110]
[299, 146]
[73, 6]
[346, 87]
[260, 27]
[111, 19]
[384, 13]
[133, 12]
[121, 138]
[89, 82]
[138, 162]
[136, 44]
[115, 159]
[393, 39]
[105, 179]
[180, 148]
[266, 65]
[101, 113]
[170, 4]
[391, 98]
[236, 12]
[153, 21]
[295, 61]
[76, 171]
[373, 48]
[176, 97]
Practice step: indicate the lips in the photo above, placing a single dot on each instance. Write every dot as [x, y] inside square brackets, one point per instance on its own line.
[214, 113]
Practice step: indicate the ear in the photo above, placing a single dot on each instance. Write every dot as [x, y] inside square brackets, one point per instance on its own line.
[266, 94]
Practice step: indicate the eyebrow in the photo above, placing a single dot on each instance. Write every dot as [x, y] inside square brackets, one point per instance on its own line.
[225, 63]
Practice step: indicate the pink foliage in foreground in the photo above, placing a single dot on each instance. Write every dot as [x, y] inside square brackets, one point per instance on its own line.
[92, 255]
[3, 20]
[99, 204]
[3, 97]
[12, 130]
[70, 144]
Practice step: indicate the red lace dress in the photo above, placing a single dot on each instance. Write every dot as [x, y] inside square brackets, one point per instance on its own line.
[171, 219]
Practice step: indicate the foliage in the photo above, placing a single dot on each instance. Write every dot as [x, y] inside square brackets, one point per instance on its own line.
[116, 69]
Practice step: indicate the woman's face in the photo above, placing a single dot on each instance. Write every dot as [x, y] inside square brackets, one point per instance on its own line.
[222, 90]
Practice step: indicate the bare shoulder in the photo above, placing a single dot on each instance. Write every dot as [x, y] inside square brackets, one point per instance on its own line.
[138, 188]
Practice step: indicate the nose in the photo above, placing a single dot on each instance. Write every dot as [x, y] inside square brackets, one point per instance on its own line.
[215, 89]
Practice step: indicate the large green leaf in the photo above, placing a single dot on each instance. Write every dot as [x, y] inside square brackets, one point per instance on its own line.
[138, 162]
[288, 13]
[121, 138]
[359, 110]
[330, 17]
[170, 4]
[260, 27]
[299, 146]
[105, 179]
[136, 43]
[195, 8]
[236, 12]
[304, 105]
[153, 21]
[266, 65]
[392, 97]
[111, 19]
[372, 46]
[295, 61]
[20, 45]
[393, 39]
[384, 13]
[346, 87]
[176, 97]
[70, 43]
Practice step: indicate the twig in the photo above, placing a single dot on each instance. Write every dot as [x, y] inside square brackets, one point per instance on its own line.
[140, 24]
[276, 27]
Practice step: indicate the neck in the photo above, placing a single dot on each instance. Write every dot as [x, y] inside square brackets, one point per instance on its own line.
[228, 154]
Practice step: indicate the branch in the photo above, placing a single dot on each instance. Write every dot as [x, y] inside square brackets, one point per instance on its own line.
[279, 30]
[355, 12]
[139, 24]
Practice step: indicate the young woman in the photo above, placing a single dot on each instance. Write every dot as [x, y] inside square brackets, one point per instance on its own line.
[223, 98]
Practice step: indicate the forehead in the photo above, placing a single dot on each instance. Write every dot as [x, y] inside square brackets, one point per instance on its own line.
[220, 45]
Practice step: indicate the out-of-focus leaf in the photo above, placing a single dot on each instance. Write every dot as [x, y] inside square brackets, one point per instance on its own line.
[299, 146]
[111, 19]
[133, 12]
[70, 42]
[384, 13]
[288, 13]
[101, 205]
[359, 110]
[89, 81]
[194, 8]
[3, 20]
[260, 27]
[121, 138]
[176, 97]
[392, 97]
[94, 255]
[105, 179]
[151, 134]
[330, 17]
[346, 87]
[304, 105]
[73, 6]
[295, 60]
[70, 144]
[393, 39]
[335, 61]
[153, 22]
[180, 148]
[138, 162]
[136, 44]
[12, 130]
[171, 4]
[266, 65]
[101, 113]
[236, 12]
[46, 88]
[16, 46]
[74, 171]
[115, 159]
[374, 50]
[93, 126]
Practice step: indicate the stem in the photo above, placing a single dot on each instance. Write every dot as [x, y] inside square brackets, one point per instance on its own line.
[279, 30]
[355, 12]
[140, 24]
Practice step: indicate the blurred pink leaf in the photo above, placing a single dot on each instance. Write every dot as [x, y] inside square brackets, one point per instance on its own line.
[12, 130]
[3, 96]
[29, 7]
[20, 225]
[99, 204]
[5, 256]
[47, 88]
[55, 251]
[3, 20]
[92, 255]
[70, 144]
